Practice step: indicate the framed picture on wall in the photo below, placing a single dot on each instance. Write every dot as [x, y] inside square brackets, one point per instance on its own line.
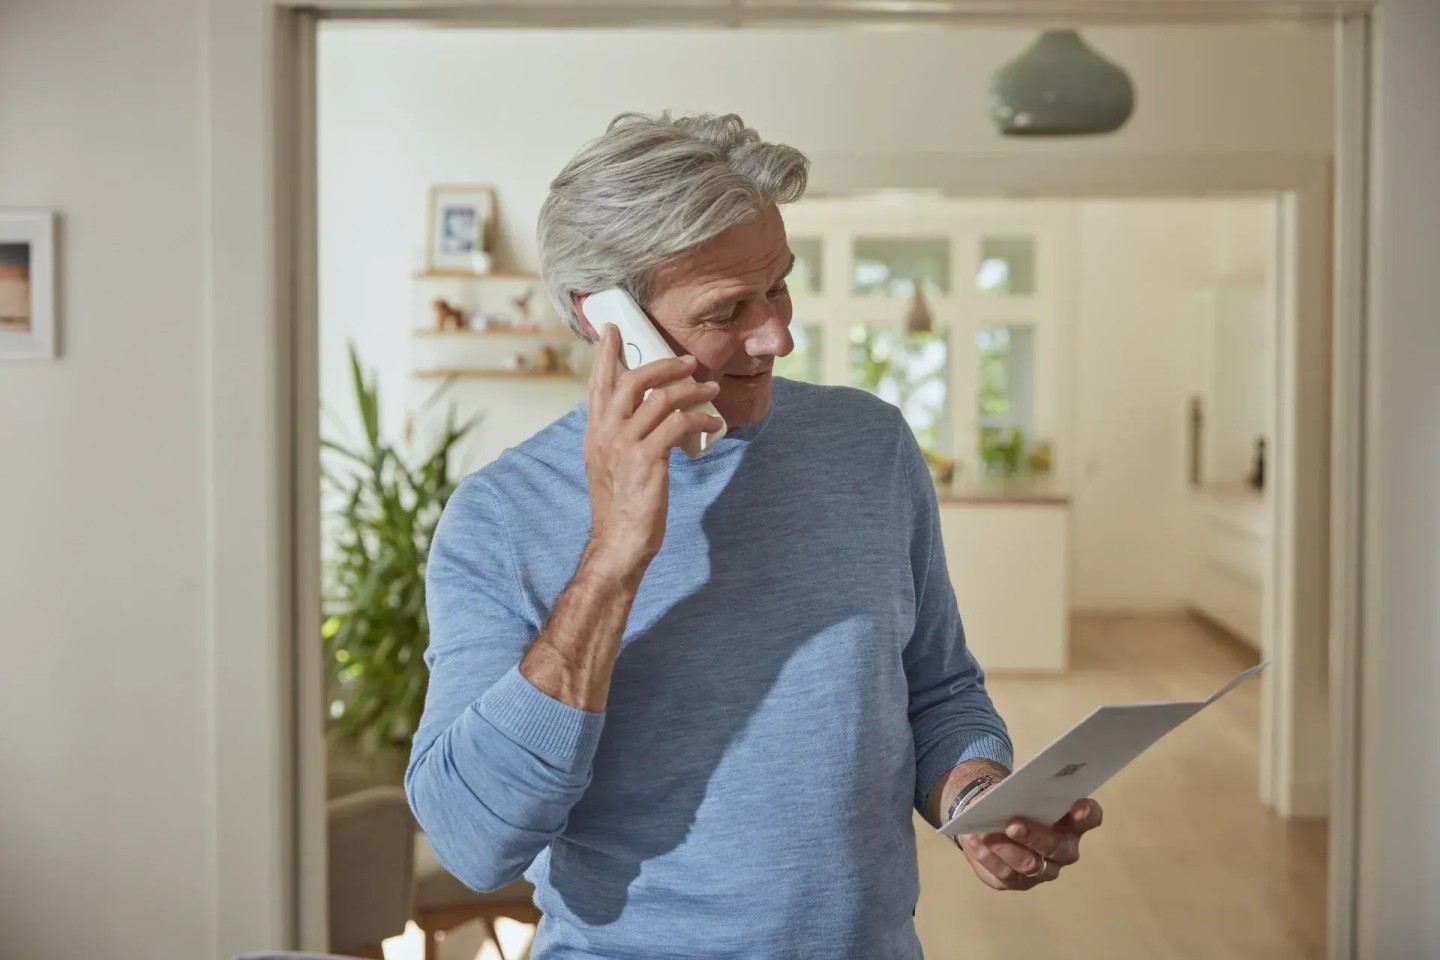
[461, 228]
[27, 285]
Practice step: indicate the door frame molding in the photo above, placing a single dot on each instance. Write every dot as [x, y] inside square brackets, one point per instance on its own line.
[1296, 699]
[261, 498]
[262, 373]
[1352, 386]
[842, 13]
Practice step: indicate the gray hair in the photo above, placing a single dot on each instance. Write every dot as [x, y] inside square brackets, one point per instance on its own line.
[649, 189]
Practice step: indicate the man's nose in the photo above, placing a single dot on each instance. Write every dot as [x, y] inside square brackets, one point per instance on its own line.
[771, 336]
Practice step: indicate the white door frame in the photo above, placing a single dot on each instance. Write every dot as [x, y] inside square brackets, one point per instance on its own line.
[1350, 556]
[1296, 713]
[251, 66]
[262, 368]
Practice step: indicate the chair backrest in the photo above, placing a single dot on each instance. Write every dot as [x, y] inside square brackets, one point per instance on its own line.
[372, 867]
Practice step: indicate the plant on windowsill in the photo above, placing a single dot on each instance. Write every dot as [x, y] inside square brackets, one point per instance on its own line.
[942, 468]
[374, 625]
[1002, 450]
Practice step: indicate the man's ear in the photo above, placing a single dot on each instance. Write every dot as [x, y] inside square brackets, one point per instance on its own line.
[577, 300]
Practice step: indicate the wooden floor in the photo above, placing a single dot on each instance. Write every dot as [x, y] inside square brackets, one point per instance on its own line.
[1188, 865]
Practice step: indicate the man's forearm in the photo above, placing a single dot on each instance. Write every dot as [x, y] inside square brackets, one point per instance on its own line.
[943, 793]
[573, 658]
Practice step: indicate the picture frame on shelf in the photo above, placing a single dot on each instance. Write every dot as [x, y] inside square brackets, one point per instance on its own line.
[460, 228]
[27, 285]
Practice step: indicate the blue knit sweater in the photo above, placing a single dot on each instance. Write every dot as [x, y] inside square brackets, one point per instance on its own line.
[793, 680]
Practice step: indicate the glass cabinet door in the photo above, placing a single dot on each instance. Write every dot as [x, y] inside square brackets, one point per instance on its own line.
[909, 370]
[807, 276]
[1006, 266]
[891, 267]
[1006, 394]
[956, 311]
[803, 363]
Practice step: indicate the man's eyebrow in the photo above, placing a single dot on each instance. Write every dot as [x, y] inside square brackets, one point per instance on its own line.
[716, 302]
[724, 299]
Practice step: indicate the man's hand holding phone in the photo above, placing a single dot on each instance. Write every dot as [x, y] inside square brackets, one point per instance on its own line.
[628, 440]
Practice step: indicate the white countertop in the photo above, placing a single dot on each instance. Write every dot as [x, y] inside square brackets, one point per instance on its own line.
[1037, 490]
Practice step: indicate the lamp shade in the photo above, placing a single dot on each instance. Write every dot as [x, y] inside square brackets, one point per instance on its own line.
[1060, 87]
[918, 318]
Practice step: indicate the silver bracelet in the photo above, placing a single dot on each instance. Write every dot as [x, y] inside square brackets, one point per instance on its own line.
[968, 793]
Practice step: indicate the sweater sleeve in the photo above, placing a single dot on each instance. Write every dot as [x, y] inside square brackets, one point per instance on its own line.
[496, 764]
[951, 715]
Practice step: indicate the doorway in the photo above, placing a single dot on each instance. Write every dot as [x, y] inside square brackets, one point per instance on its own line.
[1298, 179]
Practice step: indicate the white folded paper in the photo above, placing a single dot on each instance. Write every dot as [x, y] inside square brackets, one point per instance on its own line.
[1077, 764]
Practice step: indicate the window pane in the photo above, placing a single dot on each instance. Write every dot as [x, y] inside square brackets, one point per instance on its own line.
[910, 371]
[806, 278]
[1006, 395]
[1007, 267]
[803, 363]
[893, 267]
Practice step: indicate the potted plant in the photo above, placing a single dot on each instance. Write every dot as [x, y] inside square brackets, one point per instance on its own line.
[374, 626]
[1002, 450]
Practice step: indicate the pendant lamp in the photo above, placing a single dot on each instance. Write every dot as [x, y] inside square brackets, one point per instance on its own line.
[918, 318]
[1060, 86]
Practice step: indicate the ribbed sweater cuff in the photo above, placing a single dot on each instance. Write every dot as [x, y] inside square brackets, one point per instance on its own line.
[950, 753]
[562, 736]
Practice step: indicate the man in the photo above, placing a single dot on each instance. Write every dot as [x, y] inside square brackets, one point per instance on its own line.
[699, 699]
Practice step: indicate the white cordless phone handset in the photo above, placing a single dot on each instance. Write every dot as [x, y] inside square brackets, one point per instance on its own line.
[641, 343]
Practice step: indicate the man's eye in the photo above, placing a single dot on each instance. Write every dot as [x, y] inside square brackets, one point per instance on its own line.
[781, 290]
[721, 319]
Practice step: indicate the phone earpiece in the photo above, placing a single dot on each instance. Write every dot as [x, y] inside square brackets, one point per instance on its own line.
[643, 344]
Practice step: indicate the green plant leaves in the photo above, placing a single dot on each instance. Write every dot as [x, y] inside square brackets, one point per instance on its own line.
[374, 629]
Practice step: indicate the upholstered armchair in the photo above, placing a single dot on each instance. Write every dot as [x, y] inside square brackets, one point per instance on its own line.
[383, 873]
[372, 868]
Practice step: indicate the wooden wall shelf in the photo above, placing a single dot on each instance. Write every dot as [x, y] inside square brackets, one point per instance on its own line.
[491, 375]
[547, 333]
[471, 275]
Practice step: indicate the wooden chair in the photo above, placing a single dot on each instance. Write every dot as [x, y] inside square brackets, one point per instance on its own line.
[443, 903]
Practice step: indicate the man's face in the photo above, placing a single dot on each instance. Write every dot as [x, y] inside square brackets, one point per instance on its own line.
[725, 302]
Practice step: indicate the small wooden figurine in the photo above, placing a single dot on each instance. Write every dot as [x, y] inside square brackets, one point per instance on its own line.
[448, 317]
[554, 360]
[522, 307]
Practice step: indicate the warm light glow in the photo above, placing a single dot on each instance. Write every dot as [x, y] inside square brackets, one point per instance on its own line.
[464, 943]
[410, 945]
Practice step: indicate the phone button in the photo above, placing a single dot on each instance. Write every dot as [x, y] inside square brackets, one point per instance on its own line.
[632, 356]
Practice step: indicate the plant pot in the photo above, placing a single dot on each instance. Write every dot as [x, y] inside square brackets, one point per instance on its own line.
[349, 770]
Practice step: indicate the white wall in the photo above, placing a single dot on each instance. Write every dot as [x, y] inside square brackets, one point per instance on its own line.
[106, 813]
[1141, 263]
[1400, 766]
[402, 108]
[1244, 338]
[102, 591]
